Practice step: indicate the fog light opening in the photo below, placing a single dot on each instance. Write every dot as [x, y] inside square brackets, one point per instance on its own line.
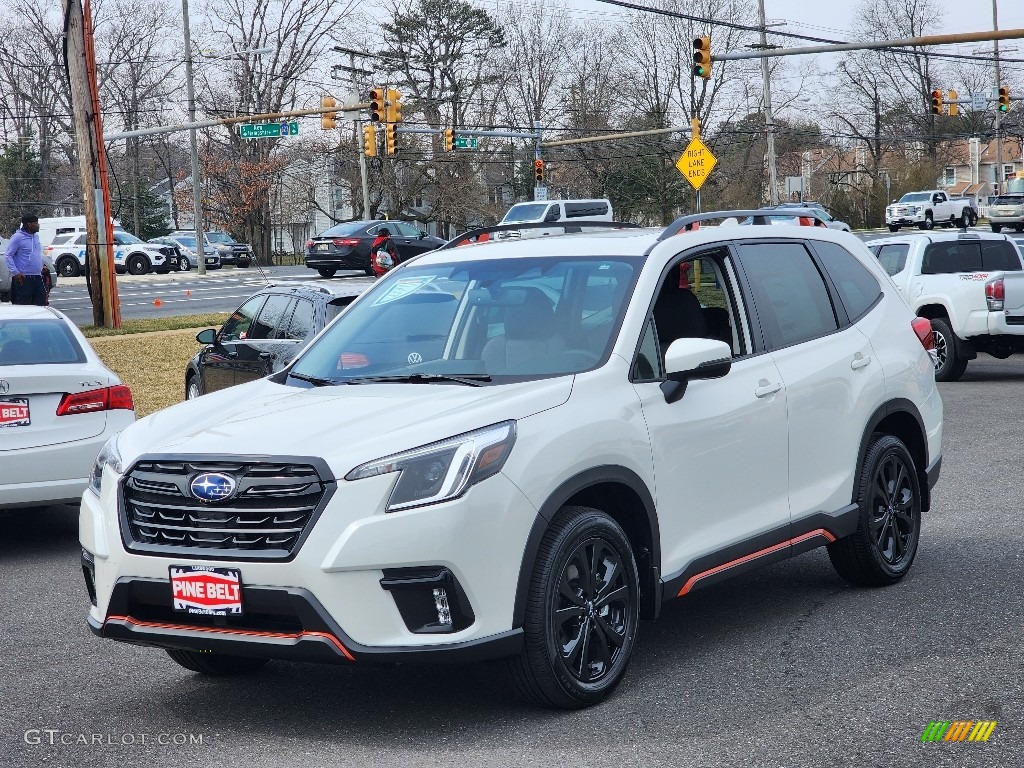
[444, 611]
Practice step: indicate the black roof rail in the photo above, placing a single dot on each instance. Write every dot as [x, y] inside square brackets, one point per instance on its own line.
[758, 216]
[472, 235]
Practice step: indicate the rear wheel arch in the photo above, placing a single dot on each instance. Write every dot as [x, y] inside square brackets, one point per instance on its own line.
[622, 495]
[902, 419]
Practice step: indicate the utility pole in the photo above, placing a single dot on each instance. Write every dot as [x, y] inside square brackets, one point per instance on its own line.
[81, 61]
[193, 145]
[357, 80]
[999, 135]
[769, 120]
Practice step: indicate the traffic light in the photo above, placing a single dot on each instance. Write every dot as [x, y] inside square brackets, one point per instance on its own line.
[370, 140]
[377, 112]
[393, 108]
[449, 139]
[328, 119]
[702, 57]
[1004, 98]
[391, 138]
[951, 98]
[936, 102]
[538, 171]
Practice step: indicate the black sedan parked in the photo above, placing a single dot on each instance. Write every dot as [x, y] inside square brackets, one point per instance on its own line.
[266, 333]
[347, 246]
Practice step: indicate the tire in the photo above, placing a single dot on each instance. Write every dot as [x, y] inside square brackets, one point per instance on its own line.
[949, 366]
[68, 266]
[972, 218]
[243, 264]
[215, 663]
[882, 549]
[193, 387]
[325, 272]
[893, 228]
[138, 264]
[997, 228]
[1018, 227]
[928, 223]
[546, 674]
[184, 265]
[368, 271]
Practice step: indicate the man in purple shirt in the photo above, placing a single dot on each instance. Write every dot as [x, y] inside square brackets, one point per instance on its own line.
[25, 260]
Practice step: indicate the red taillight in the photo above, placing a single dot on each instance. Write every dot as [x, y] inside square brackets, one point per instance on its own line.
[995, 293]
[923, 328]
[349, 241]
[106, 399]
[309, 243]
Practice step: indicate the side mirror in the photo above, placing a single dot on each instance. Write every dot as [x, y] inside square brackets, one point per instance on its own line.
[423, 234]
[893, 200]
[687, 359]
[207, 336]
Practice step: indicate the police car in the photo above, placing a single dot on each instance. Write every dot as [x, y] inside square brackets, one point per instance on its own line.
[131, 254]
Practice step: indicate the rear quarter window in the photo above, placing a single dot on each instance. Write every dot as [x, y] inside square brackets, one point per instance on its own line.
[858, 289]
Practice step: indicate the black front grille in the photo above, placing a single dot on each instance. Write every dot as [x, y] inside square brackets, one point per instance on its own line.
[273, 505]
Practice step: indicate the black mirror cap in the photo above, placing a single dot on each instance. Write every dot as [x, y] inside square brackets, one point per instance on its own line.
[715, 369]
[207, 336]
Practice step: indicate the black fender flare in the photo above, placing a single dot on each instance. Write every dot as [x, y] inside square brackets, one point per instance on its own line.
[608, 473]
[898, 405]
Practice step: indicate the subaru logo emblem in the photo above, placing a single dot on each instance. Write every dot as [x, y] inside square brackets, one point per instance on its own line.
[212, 486]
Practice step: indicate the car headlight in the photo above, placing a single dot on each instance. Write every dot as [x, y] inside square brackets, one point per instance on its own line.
[108, 455]
[444, 470]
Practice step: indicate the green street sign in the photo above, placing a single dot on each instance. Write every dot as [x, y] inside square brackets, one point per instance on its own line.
[465, 142]
[268, 130]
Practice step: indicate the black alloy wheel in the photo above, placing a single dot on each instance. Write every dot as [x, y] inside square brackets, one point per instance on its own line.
[68, 266]
[882, 549]
[138, 264]
[949, 364]
[582, 613]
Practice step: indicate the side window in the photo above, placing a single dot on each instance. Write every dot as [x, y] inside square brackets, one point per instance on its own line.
[406, 230]
[857, 287]
[693, 302]
[790, 294]
[237, 326]
[647, 366]
[552, 214]
[270, 317]
[81, 240]
[893, 258]
[950, 257]
[999, 255]
[301, 326]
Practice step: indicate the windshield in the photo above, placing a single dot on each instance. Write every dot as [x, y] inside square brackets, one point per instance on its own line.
[188, 242]
[510, 318]
[525, 212]
[344, 229]
[218, 237]
[916, 197]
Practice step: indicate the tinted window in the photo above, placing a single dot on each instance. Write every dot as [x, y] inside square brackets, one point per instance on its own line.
[81, 240]
[1009, 200]
[337, 305]
[893, 258]
[951, 257]
[647, 366]
[790, 294]
[301, 325]
[37, 342]
[576, 210]
[999, 255]
[857, 287]
[270, 317]
[237, 326]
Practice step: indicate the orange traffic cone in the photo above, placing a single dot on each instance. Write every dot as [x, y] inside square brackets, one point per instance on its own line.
[157, 303]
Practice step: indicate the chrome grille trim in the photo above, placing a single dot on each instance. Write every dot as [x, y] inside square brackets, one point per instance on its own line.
[275, 504]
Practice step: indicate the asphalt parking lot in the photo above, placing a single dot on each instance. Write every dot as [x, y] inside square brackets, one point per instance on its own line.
[783, 667]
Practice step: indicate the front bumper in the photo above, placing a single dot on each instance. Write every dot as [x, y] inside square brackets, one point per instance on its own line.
[330, 596]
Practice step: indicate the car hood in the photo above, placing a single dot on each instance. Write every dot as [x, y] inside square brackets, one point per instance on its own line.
[346, 425]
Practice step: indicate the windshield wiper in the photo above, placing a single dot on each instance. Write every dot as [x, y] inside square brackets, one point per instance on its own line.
[314, 380]
[468, 379]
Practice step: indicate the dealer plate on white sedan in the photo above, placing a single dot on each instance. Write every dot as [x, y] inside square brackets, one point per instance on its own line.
[204, 590]
[14, 412]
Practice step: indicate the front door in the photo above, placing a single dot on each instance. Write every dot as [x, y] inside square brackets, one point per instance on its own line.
[255, 354]
[217, 362]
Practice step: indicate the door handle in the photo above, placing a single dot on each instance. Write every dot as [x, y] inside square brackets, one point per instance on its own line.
[766, 388]
[265, 355]
[859, 361]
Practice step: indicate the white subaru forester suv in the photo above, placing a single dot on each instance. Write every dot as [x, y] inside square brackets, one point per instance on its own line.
[519, 449]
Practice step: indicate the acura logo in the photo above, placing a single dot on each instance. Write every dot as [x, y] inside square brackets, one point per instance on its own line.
[4, 387]
[212, 486]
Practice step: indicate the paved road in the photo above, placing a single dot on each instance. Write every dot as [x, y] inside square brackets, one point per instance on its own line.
[179, 293]
[783, 667]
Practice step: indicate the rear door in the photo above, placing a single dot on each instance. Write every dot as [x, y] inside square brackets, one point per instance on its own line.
[411, 243]
[300, 328]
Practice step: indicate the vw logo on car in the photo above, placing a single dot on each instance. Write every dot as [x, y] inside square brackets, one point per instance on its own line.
[212, 486]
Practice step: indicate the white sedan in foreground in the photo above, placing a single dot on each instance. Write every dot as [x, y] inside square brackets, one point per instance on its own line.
[58, 405]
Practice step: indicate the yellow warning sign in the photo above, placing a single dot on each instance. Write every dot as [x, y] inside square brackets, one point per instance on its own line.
[696, 163]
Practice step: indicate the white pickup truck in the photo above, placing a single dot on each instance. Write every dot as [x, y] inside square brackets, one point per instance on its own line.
[969, 284]
[929, 209]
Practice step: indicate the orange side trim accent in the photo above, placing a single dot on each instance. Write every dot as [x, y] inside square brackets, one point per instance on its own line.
[232, 631]
[753, 556]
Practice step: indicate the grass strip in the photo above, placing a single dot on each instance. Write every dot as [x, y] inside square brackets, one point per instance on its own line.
[150, 324]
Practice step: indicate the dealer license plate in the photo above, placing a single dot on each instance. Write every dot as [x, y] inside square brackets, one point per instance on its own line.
[323, 247]
[14, 412]
[204, 590]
